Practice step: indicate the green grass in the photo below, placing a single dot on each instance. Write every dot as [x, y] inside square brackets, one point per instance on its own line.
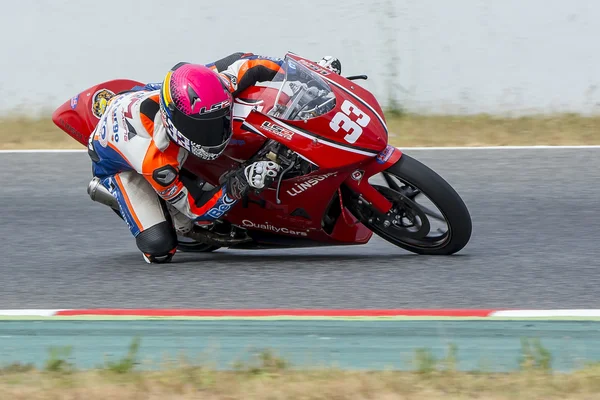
[406, 130]
[265, 375]
[485, 130]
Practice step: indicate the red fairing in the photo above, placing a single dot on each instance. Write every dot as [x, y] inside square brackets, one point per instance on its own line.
[304, 201]
[244, 144]
[329, 141]
[359, 180]
[357, 104]
[78, 116]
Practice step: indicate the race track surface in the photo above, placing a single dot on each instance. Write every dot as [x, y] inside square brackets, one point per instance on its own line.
[535, 244]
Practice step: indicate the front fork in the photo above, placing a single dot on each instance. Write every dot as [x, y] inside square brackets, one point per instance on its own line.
[358, 181]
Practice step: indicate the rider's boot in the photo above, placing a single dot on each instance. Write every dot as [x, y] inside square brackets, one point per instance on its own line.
[150, 259]
[181, 222]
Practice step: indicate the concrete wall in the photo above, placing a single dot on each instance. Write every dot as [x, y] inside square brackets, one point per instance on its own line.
[433, 55]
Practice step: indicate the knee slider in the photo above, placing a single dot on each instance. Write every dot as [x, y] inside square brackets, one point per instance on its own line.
[158, 240]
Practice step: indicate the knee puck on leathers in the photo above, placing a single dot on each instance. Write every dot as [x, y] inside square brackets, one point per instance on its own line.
[158, 243]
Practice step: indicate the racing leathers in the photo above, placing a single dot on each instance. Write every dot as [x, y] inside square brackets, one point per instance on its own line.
[133, 157]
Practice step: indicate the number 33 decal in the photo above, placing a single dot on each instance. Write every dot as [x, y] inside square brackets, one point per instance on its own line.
[343, 120]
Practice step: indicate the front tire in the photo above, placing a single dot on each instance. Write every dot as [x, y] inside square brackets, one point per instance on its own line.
[409, 225]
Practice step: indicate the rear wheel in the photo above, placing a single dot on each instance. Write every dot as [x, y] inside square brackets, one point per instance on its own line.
[187, 245]
[427, 217]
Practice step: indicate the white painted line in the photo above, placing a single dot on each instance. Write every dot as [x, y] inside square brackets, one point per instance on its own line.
[502, 148]
[28, 313]
[401, 148]
[327, 142]
[577, 313]
[43, 151]
[545, 313]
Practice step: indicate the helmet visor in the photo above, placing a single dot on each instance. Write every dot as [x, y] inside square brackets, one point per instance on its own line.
[207, 130]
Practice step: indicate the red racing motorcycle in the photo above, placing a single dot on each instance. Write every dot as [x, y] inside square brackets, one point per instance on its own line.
[340, 182]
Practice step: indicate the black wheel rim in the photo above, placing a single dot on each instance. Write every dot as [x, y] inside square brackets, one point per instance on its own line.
[409, 222]
[186, 243]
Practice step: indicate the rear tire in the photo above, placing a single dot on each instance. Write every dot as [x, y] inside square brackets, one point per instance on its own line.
[194, 247]
[415, 175]
[189, 245]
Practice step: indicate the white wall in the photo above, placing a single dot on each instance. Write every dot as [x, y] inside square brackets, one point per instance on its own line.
[434, 55]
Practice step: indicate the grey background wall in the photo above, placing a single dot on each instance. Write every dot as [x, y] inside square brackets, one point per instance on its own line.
[436, 56]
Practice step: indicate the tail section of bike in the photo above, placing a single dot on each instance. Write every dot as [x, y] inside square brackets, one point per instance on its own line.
[79, 115]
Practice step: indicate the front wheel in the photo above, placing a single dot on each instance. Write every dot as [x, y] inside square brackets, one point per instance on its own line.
[441, 226]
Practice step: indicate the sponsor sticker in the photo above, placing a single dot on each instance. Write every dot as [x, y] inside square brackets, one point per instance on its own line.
[175, 199]
[100, 100]
[70, 129]
[198, 151]
[222, 207]
[102, 134]
[214, 107]
[308, 183]
[357, 175]
[385, 154]
[168, 192]
[278, 130]
[237, 142]
[316, 68]
[74, 101]
[268, 227]
[232, 79]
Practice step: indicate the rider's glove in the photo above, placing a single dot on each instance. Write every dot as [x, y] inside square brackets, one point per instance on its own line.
[257, 175]
[331, 63]
[261, 173]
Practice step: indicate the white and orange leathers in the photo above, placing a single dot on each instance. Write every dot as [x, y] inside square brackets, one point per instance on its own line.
[135, 160]
[242, 70]
[134, 157]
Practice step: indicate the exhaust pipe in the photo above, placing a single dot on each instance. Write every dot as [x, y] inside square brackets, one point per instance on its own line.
[101, 194]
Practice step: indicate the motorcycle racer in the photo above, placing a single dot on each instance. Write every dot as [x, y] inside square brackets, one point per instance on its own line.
[145, 135]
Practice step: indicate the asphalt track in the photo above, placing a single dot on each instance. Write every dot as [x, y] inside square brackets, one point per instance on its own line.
[535, 244]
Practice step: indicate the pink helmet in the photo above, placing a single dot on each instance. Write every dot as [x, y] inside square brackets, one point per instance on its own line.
[196, 109]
